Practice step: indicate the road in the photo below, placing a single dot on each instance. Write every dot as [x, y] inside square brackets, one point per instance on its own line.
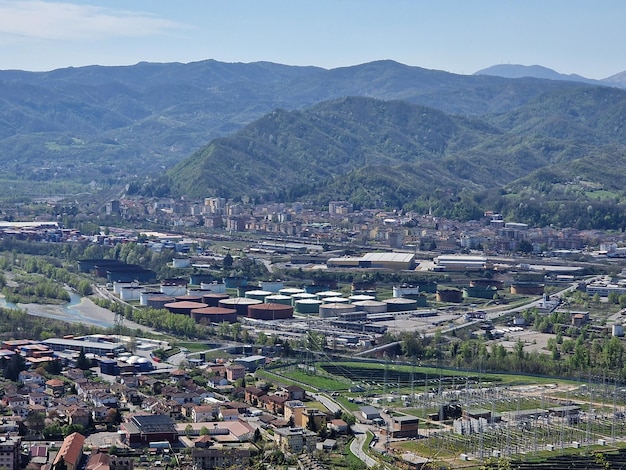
[356, 446]
[360, 431]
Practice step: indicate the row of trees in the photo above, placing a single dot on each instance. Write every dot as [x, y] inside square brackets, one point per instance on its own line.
[587, 353]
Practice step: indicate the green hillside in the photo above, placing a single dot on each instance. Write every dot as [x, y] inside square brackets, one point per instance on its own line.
[560, 154]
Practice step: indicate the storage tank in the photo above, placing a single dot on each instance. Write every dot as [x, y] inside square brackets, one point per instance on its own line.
[336, 300]
[158, 301]
[361, 298]
[270, 311]
[232, 282]
[308, 306]
[278, 299]
[272, 286]
[209, 315]
[143, 297]
[450, 295]
[258, 294]
[240, 304]
[131, 293]
[327, 293]
[179, 263]
[184, 308]
[216, 287]
[188, 298]
[527, 288]
[199, 278]
[399, 304]
[213, 299]
[335, 309]
[371, 306]
[301, 296]
[291, 291]
[406, 290]
[241, 290]
[617, 330]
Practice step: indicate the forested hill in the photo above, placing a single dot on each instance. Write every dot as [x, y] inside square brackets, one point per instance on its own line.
[562, 151]
[106, 124]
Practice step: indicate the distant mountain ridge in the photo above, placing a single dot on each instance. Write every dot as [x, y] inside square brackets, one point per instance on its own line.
[110, 123]
[545, 73]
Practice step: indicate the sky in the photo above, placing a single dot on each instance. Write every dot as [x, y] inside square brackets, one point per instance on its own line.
[459, 36]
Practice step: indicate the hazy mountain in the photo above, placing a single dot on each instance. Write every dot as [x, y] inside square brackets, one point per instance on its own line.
[108, 124]
[533, 71]
[618, 80]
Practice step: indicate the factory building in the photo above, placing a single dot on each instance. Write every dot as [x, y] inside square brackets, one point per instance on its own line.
[391, 261]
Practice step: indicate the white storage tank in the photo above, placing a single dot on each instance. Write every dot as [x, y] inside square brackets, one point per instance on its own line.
[278, 299]
[371, 306]
[335, 309]
[290, 291]
[179, 263]
[272, 286]
[215, 287]
[327, 293]
[361, 298]
[143, 297]
[302, 296]
[405, 291]
[335, 300]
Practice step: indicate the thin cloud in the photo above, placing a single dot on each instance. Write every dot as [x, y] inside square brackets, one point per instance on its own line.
[38, 19]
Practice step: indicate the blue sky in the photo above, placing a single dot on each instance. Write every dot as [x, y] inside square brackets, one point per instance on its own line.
[459, 36]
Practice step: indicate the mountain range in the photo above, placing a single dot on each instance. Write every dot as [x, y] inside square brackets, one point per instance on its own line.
[380, 133]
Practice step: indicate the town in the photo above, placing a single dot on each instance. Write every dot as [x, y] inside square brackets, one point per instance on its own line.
[233, 335]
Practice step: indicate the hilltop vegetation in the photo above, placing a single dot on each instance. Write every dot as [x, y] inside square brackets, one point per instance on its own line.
[558, 159]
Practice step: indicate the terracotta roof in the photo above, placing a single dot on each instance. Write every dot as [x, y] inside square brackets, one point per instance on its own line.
[54, 383]
[71, 450]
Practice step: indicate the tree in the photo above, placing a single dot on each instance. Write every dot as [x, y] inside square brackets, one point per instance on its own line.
[227, 263]
[82, 362]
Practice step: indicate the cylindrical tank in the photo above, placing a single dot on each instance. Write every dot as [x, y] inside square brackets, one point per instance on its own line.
[290, 291]
[272, 286]
[233, 282]
[270, 311]
[361, 298]
[181, 262]
[327, 293]
[335, 309]
[241, 290]
[617, 330]
[143, 297]
[184, 307]
[335, 300]
[258, 294]
[405, 290]
[450, 295]
[215, 287]
[308, 306]
[371, 306]
[399, 304]
[527, 288]
[208, 315]
[188, 298]
[240, 304]
[213, 300]
[158, 301]
[278, 299]
[301, 296]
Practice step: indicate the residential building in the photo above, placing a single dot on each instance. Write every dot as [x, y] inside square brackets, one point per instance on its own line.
[295, 440]
[71, 453]
[10, 452]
